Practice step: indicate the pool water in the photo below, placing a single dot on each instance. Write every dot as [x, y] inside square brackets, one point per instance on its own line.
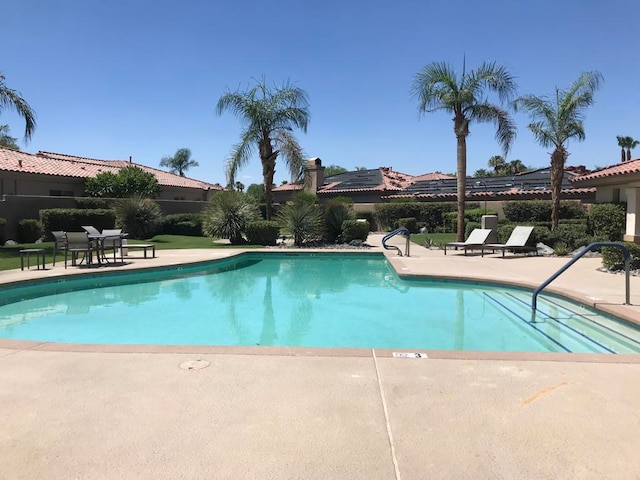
[309, 300]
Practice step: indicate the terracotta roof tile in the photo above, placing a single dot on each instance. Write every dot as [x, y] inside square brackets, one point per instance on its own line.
[47, 163]
[632, 166]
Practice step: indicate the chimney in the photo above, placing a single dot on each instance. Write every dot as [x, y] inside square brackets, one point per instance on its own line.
[315, 175]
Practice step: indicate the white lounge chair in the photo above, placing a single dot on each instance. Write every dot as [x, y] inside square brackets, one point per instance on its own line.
[518, 241]
[477, 238]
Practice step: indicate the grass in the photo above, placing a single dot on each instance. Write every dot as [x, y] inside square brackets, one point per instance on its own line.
[422, 239]
[10, 255]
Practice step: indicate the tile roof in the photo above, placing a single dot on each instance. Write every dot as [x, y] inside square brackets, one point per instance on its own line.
[47, 163]
[626, 168]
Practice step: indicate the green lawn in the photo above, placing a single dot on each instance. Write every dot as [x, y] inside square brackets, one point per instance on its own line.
[437, 238]
[10, 255]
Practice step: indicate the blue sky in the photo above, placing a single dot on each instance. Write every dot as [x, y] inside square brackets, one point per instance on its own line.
[141, 78]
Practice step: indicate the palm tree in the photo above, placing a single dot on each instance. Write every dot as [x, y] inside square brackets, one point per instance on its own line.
[627, 143]
[515, 166]
[437, 87]
[7, 140]
[497, 162]
[556, 120]
[12, 99]
[269, 116]
[180, 162]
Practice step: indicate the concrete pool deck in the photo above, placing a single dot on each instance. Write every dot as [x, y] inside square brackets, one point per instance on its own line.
[101, 412]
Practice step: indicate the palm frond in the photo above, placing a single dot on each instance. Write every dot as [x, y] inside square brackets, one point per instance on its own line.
[240, 155]
[435, 87]
[290, 150]
[505, 126]
[13, 100]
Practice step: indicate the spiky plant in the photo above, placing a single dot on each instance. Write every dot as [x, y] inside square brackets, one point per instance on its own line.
[228, 214]
[302, 221]
[137, 216]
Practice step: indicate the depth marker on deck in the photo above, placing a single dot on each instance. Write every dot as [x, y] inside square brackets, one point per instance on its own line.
[409, 355]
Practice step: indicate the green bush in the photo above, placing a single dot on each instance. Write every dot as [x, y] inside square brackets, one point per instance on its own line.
[129, 181]
[469, 227]
[608, 220]
[355, 230]
[88, 203]
[336, 211]
[29, 230]
[431, 213]
[410, 224]
[369, 217]
[540, 211]
[3, 223]
[613, 258]
[228, 214]
[137, 216]
[72, 219]
[263, 232]
[189, 224]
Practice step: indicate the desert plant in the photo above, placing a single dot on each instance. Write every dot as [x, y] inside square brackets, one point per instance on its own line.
[336, 212]
[137, 216]
[228, 214]
[302, 221]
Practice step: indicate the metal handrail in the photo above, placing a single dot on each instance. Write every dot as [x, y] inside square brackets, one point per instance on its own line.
[402, 230]
[591, 246]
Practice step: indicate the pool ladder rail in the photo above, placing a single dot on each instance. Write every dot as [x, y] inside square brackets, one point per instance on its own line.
[402, 230]
[580, 254]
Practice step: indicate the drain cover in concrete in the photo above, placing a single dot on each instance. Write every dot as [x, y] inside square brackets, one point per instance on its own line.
[194, 364]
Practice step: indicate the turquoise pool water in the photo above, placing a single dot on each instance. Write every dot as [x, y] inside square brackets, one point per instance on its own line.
[310, 300]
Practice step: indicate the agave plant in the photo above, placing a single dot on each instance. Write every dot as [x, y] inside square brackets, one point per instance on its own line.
[302, 221]
[228, 214]
[138, 216]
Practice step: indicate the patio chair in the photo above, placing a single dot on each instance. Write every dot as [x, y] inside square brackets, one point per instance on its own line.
[59, 243]
[518, 241]
[78, 242]
[112, 241]
[91, 230]
[477, 238]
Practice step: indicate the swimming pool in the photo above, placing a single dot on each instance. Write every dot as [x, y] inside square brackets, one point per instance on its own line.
[303, 299]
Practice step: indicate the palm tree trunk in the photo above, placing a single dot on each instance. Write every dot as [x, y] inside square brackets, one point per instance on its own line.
[461, 129]
[268, 158]
[623, 156]
[628, 154]
[558, 157]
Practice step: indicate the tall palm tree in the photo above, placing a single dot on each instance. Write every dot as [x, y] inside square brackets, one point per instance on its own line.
[7, 140]
[627, 143]
[12, 99]
[180, 162]
[556, 120]
[269, 115]
[437, 87]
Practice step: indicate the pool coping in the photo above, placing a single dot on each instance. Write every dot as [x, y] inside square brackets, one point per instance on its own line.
[399, 268]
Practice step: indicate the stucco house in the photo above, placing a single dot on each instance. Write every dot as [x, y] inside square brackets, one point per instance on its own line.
[30, 182]
[369, 187]
[618, 183]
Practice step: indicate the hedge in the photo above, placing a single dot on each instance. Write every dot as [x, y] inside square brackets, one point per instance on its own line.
[613, 259]
[263, 232]
[354, 230]
[410, 224]
[189, 224]
[608, 220]
[430, 213]
[29, 230]
[72, 219]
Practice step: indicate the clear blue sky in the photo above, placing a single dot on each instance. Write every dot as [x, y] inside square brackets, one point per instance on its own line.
[141, 78]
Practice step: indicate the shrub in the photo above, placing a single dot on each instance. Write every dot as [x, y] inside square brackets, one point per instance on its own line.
[302, 221]
[72, 219]
[189, 224]
[29, 230]
[88, 203]
[540, 211]
[469, 227]
[607, 220]
[369, 217]
[137, 216]
[263, 232]
[355, 230]
[129, 181]
[387, 214]
[228, 214]
[3, 222]
[613, 258]
[410, 224]
[336, 211]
